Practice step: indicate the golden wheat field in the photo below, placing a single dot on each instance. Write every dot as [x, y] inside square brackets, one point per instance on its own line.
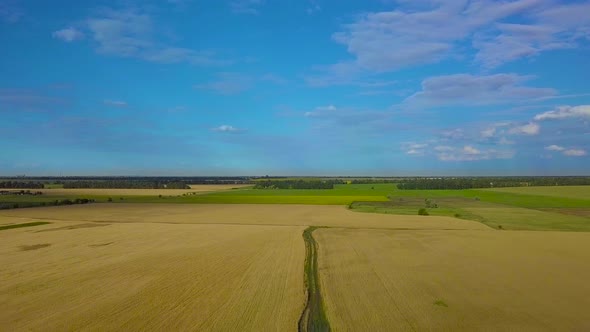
[250, 214]
[241, 267]
[78, 275]
[384, 280]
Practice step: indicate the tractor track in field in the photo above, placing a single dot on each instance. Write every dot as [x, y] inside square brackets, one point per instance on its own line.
[313, 317]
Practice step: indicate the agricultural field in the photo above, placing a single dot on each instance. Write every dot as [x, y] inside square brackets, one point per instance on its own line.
[443, 280]
[357, 257]
[575, 192]
[79, 275]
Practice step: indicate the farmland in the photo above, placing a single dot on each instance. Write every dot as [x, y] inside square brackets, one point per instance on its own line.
[356, 257]
[72, 275]
[454, 280]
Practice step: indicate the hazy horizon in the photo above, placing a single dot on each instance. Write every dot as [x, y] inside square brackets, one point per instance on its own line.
[313, 88]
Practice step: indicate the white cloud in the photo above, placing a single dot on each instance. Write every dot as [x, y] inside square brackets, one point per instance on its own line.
[130, 33]
[530, 128]
[419, 32]
[313, 7]
[347, 116]
[226, 129]
[415, 149]
[443, 148]
[245, 6]
[566, 151]
[515, 41]
[505, 141]
[470, 150]
[115, 103]
[564, 112]
[415, 152]
[68, 34]
[470, 153]
[574, 152]
[453, 134]
[466, 89]
[489, 132]
[554, 147]
[495, 130]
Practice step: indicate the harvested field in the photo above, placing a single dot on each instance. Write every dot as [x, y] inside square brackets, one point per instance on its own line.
[241, 267]
[384, 280]
[162, 277]
[272, 214]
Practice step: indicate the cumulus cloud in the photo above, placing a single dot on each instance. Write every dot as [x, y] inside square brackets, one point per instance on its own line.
[530, 128]
[226, 129]
[470, 153]
[574, 152]
[565, 112]
[466, 89]
[570, 152]
[554, 147]
[465, 152]
[318, 111]
[415, 149]
[470, 150]
[488, 132]
[68, 34]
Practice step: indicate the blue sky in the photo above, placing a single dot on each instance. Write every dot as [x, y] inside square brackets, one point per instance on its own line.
[254, 87]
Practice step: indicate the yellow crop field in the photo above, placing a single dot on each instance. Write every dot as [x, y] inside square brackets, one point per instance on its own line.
[77, 275]
[248, 214]
[269, 268]
[416, 280]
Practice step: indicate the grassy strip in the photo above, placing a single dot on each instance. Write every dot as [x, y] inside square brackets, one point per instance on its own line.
[313, 317]
[28, 224]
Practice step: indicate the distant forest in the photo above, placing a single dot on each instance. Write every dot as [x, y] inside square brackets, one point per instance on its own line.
[118, 182]
[277, 182]
[296, 184]
[489, 182]
[21, 184]
[126, 184]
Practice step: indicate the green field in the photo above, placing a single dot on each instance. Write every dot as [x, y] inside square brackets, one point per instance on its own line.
[575, 192]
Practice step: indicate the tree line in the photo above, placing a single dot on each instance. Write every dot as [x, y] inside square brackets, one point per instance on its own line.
[126, 184]
[18, 205]
[296, 184]
[21, 184]
[490, 182]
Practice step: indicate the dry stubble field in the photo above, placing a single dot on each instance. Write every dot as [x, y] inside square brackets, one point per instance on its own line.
[73, 275]
[229, 267]
[384, 280]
